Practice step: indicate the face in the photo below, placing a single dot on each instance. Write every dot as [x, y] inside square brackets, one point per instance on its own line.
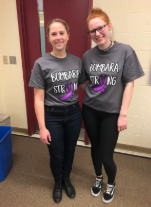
[58, 36]
[102, 39]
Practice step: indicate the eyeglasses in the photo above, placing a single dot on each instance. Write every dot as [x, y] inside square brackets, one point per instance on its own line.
[99, 29]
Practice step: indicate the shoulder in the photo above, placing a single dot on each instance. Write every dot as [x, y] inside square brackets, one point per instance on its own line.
[127, 49]
[73, 58]
[90, 53]
[41, 60]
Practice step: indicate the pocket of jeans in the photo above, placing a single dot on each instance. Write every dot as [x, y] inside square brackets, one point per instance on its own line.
[77, 106]
[49, 109]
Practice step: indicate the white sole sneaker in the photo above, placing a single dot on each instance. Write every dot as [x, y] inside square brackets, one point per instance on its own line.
[107, 201]
[113, 189]
[94, 194]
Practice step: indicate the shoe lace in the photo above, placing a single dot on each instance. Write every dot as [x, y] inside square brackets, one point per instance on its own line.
[97, 182]
[109, 189]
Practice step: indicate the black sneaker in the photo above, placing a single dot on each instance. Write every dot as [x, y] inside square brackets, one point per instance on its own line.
[96, 188]
[108, 194]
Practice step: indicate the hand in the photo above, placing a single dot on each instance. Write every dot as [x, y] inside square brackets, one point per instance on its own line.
[122, 122]
[83, 86]
[45, 136]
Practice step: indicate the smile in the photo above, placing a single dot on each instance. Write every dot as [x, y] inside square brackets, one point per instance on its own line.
[59, 42]
[99, 38]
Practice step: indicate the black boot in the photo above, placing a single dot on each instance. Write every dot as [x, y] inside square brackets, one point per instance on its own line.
[57, 192]
[70, 191]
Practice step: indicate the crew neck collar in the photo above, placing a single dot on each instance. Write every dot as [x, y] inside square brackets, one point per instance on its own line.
[109, 50]
[58, 59]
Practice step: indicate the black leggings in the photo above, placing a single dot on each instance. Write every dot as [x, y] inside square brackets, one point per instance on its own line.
[102, 130]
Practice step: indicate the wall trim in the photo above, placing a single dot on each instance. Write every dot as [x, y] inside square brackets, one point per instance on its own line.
[120, 148]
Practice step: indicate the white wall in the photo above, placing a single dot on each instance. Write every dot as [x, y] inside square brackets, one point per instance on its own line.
[12, 96]
[131, 20]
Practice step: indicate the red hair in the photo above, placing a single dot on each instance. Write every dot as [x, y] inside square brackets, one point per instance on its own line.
[97, 12]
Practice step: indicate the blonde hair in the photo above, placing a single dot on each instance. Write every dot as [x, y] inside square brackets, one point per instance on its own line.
[57, 20]
[60, 21]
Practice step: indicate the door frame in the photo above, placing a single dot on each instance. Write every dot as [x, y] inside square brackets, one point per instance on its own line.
[25, 63]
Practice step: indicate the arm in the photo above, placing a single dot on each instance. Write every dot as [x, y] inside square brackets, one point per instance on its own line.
[39, 109]
[122, 120]
[83, 86]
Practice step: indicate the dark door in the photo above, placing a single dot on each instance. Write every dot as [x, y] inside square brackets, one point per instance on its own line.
[74, 12]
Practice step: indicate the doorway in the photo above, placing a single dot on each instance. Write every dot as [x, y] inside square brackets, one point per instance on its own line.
[33, 17]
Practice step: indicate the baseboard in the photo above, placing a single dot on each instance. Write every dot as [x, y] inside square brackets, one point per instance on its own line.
[120, 148]
[20, 131]
[133, 150]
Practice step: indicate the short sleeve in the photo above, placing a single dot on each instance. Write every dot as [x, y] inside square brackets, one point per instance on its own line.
[83, 77]
[37, 78]
[132, 68]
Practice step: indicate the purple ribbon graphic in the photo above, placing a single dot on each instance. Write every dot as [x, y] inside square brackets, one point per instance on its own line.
[102, 84]
[69, 92]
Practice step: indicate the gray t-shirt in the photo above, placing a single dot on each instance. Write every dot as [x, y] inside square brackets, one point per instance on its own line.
[58, 77]
[108, 72]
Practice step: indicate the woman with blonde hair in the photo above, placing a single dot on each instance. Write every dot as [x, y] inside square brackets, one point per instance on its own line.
[111, 69]
[55, 79]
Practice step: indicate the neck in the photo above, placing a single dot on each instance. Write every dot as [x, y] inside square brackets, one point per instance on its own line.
[59, 54]
[105, 45]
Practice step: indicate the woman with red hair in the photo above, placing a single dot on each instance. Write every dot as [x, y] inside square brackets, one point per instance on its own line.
[111, 69]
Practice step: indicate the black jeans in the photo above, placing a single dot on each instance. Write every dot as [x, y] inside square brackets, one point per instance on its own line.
[64, 124]
[102, 130]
